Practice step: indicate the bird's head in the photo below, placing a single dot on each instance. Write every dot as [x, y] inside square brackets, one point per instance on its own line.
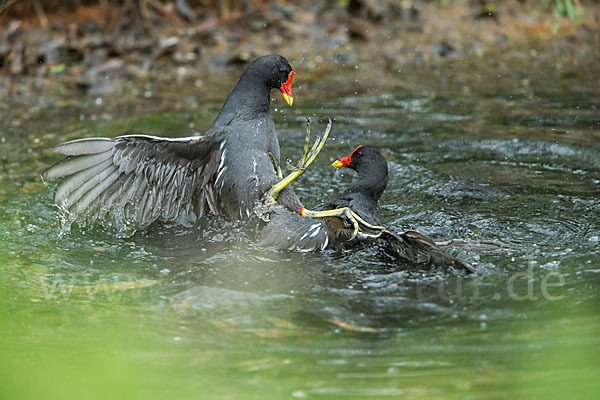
[371, 167]
[362, 157]
[277, 73]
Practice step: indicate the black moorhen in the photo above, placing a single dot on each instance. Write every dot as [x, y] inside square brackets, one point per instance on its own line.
[137, 179]
[351, 217]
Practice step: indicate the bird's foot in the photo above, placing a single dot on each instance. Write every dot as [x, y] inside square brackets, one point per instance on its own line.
[359, 225]
[308, 156]
[276, 166]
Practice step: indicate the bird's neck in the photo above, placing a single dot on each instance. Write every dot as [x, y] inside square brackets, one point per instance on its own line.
[250, 97]
[371, 184]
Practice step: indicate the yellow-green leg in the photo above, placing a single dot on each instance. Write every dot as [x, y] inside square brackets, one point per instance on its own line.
[347, 212]
[276, 166]
[308, 156]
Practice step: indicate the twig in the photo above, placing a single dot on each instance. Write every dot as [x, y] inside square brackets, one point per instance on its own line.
[41, 14]
[143, 7]
[6, 4]
[167, 13]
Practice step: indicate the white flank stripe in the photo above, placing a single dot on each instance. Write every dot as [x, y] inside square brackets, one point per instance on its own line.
[313, 226]
[220, 175]
[222, 159]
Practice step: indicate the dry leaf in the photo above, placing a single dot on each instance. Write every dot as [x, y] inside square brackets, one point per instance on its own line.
[281, 323]
[352, 327]
[279, 333]
[110, 287]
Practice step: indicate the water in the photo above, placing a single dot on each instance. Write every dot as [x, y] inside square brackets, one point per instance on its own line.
[188, 314]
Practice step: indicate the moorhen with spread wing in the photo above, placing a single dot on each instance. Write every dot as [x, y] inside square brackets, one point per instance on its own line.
[135, 180]
[351, 217]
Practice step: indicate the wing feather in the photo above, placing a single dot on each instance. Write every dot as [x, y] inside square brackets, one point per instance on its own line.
[107, 178]
[77, 185]
[136, 179]
[72, 165]
[85, 146]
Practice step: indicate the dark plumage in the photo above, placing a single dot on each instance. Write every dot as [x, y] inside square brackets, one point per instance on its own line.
[134, 180]
[294, 231]
[362, 196]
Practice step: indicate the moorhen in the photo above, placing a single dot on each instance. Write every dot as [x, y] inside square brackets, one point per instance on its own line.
[351, 217]
[134, 180]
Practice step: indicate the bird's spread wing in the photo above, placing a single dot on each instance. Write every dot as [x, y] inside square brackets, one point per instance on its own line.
[135, 180]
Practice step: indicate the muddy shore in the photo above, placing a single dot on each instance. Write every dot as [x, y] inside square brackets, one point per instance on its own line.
[95, 48]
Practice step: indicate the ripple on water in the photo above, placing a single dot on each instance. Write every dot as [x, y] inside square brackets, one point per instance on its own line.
[203, 299]
[326, 324]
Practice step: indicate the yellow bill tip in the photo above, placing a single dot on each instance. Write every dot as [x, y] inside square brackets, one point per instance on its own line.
[337, 163]
[288, 99]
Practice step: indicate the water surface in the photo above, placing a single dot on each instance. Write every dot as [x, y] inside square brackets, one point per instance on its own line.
[198, 314]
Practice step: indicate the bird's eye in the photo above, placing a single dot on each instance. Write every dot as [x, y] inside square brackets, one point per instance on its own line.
[281, 71]
[359, 154]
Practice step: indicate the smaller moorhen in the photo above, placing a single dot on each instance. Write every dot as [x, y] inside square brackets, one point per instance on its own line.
[351, 217]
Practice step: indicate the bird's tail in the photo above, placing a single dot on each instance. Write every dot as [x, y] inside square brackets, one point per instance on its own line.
[415, 248]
